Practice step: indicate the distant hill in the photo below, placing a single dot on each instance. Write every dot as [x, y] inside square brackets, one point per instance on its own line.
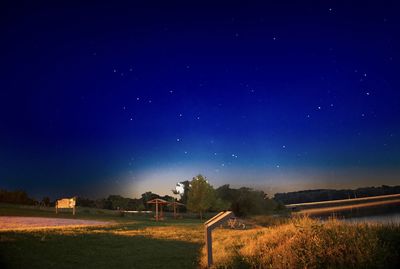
[331, 194]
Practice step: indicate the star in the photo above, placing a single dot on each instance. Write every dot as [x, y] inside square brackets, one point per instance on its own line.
[178, 139]
[284, 146]
[319, 108]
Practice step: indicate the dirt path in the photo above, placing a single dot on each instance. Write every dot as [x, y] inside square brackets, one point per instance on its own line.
[27, 223]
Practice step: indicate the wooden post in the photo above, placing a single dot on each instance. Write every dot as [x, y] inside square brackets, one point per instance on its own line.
[174, 211]
[209, 226]
[208, 246]
[73, 211]
[156, 210]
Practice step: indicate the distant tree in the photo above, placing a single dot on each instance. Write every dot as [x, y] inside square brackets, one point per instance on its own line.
[46, 201]
[221, 205]
[103, 203]
[330, 194]
[201, 195]
[147, 196]
[246, 201]
[118, 202]
[16, 197]
[85, 202]
[183, 195]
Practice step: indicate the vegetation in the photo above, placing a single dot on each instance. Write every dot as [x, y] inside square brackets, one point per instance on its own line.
[327, 194]
[308, 243]
[245, 201]
[139, 242]
[15, 197]
[134, 241]
[201, 195]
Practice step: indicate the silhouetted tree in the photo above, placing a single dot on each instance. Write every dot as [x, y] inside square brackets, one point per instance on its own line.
[46, 201]
[245, 201]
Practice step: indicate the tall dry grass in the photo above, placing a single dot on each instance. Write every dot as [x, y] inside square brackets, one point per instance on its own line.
[307, 243]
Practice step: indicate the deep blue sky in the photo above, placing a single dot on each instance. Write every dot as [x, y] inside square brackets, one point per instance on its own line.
[125, 97]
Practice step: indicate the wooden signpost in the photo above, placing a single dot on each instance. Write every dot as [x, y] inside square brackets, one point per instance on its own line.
[66, 203]
[209, 225]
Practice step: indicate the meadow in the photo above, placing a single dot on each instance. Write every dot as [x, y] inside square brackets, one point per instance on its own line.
[139, 242]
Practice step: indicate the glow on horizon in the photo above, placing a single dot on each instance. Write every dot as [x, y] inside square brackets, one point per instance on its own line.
[163, 180]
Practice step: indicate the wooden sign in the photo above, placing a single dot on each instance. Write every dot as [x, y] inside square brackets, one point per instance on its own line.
[209, 226]
[66, 203]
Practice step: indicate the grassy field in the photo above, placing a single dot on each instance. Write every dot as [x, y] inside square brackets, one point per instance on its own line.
[308, 243]
[138, 242]
[126, 244]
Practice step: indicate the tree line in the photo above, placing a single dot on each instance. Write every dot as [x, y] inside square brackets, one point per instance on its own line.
[199, 196]
[330, 194]
[16, 197]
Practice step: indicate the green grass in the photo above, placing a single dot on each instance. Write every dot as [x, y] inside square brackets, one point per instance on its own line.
[138, 242]
[96, 247]
[86, 250]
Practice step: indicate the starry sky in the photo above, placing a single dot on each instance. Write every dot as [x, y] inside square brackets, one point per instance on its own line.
[127, 97]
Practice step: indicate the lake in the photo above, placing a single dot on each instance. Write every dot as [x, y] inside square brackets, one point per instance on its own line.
[382, 219]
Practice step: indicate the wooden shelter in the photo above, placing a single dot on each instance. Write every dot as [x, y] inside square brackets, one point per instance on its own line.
[176, 205]
[157, 202]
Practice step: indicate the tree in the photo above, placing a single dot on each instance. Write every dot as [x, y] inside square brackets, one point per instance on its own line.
[147, 196]
[246, 201]
[46, 201]
[201, 195]
[183, 194]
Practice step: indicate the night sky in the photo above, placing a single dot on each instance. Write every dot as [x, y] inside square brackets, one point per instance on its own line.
[124, 97]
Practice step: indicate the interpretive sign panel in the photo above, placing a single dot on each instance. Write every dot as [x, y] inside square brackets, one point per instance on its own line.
[209, 225]
[66, 203]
